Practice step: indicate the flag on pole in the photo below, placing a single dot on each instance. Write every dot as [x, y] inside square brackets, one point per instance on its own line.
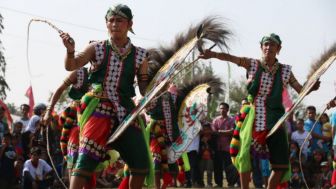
[29, 94]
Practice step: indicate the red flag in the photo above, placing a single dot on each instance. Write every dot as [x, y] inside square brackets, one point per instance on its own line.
[7, 115]
[29, 94]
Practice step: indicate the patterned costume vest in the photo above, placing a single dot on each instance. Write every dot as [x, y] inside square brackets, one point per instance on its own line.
[78, 89]
[166, 108]
[116, 76]
[266, 88]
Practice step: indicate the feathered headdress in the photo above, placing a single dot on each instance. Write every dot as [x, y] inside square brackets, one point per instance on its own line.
[213, 81]
[213, 29]
[320, 61]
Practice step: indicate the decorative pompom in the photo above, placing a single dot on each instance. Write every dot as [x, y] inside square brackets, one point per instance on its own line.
[167, 179]
[154, 146]
[181, 177]
[92, 182]
[243, 115]
[283, 185]
[124, 183]
[333, 178]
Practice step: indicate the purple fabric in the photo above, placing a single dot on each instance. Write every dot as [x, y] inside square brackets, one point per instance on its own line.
[89, 153]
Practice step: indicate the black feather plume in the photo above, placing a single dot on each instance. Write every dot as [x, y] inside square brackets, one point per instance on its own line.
[319, 62]
[213, 81]
[213, 30]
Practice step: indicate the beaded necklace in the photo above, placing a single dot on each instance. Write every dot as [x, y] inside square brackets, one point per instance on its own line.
[272, 70]
[117, 51]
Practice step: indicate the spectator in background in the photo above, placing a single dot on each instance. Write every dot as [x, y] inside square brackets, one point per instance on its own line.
[312, 167]
[17, 131]
[297, 178]
[325, 177]
[3, 125]
[294, 152]
[317, 132]
[300, 135]
[193, 175]
[17, 127]
[25, 108]
[326, 129]
[223, 127]
[34, 121]
[207, 151]
[7, 159]
[35, 171]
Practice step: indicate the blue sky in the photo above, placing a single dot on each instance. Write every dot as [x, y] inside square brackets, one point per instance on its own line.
[307, 28]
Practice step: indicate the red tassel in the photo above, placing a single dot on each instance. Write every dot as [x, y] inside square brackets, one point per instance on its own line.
[167, 179]
[283, 185]
[181, 177]
[124, 183]
[92, 182]
[333, 178]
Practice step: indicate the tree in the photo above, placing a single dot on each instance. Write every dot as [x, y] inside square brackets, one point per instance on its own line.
[237, 92]
[3, 84]
[13, 109]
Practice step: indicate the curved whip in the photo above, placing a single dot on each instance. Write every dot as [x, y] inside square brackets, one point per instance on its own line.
[30, 77]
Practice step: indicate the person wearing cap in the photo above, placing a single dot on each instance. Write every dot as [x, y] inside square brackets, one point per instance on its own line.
[115, 63]
[36, 171]
[267, 78]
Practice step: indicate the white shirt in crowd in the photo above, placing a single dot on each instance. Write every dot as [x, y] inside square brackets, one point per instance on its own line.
[299, 138]
[24, 124]
[37, 172]
[32, 123]
[194, 144]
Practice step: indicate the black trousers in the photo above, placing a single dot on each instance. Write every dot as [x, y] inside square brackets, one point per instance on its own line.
[222, 161]
[194, 175]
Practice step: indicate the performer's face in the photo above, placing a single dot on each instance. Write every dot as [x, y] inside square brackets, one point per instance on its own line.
[118, 26]
[270, 49]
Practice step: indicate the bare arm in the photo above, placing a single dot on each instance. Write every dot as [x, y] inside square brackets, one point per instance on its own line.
[298, 87]
[73, 62]
[71, 79]
[240, 61]
[331, 104]
[226, 132]
[142, 77]
[294, 83]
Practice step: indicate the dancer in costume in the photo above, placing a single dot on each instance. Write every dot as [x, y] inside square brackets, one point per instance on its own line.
[163, 132]
[69, 141]
[267, 78]
[164, 129]
[115, 64]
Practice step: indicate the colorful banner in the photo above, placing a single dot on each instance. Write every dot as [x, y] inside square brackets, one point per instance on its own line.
[193, 110]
